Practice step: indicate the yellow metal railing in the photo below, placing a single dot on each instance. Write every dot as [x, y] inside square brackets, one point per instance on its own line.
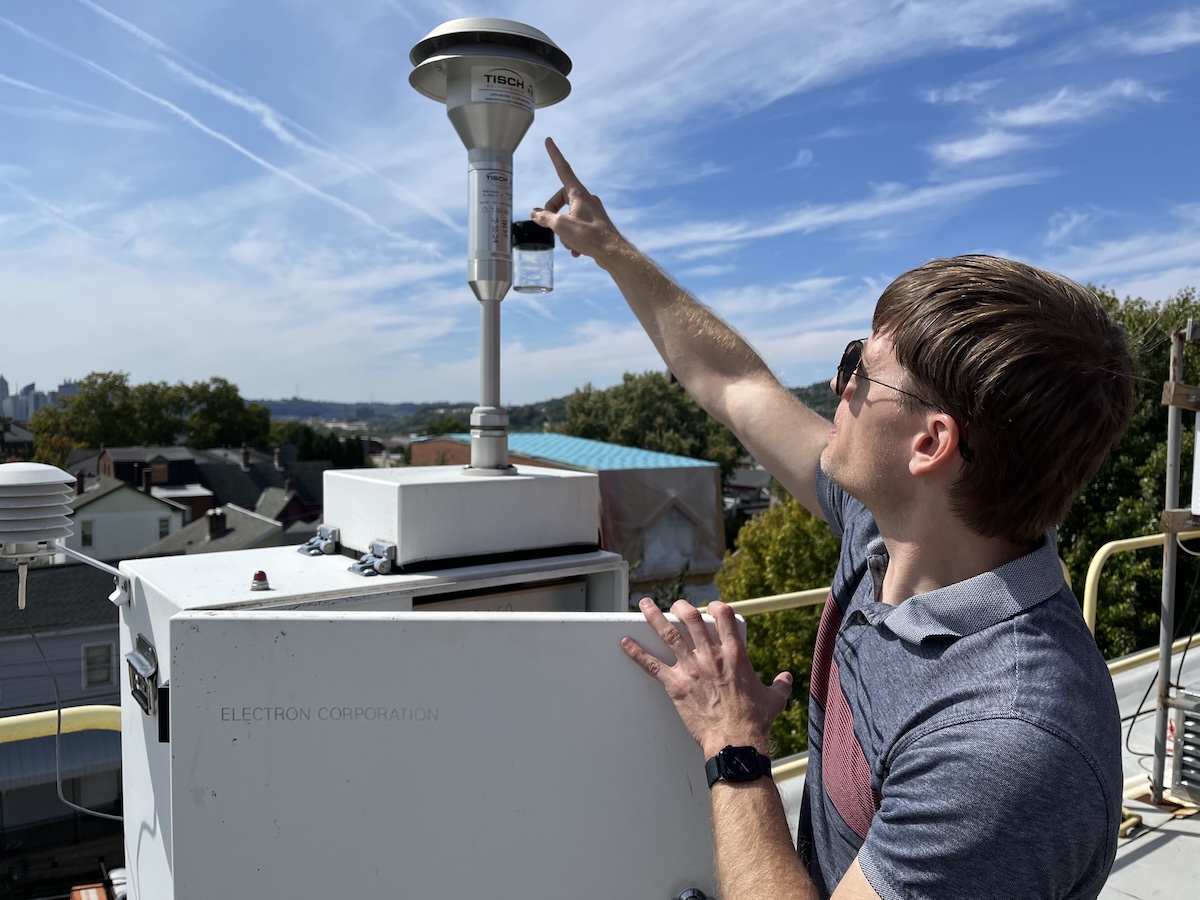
[74, 718]
[1091, 588]
[83, 718]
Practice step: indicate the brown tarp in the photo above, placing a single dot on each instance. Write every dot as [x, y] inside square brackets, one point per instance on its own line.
[658, 519]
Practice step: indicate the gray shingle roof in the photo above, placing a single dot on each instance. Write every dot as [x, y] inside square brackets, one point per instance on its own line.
[85, 459]
[232, 484]
[95, 488]
[272, 502]
[57, 598]
[243, 530]
[147, 454]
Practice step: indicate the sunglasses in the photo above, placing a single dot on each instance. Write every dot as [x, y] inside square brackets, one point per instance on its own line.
[847, 368]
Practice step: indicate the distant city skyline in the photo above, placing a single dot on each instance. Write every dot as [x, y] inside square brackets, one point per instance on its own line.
[254, 191]
[22, 403]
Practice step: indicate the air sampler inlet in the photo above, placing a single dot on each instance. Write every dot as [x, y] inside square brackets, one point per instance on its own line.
[491, 74]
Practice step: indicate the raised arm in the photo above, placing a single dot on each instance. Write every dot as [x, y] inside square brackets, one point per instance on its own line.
[711, 360]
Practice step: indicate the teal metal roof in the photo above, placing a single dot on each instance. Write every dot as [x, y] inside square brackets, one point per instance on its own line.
[596, 456]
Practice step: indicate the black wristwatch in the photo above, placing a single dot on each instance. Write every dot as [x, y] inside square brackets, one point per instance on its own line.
[737, 764]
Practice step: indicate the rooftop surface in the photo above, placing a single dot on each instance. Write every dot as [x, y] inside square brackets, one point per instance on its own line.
[595, 456]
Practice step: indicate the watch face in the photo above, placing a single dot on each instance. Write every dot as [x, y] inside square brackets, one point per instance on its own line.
[739, 764]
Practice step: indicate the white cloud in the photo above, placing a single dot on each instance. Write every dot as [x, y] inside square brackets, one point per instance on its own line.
[709, 271]
[803, 158]
[356, 212]
[886, 201]
[837, 133]
[1066, 223]
[68, 116]
[989, 145]
[764, 299]
[1166, 34]
[1069, 105]
[963, 92]
[1165, 258]
[283, 289]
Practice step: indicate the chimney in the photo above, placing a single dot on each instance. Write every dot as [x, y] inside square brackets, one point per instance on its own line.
[278, 459]
[216, 523]
[146, 473]
[245, 458]
[80, 482]
[289, 484]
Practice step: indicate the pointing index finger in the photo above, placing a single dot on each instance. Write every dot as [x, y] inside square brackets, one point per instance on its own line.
[565, 173]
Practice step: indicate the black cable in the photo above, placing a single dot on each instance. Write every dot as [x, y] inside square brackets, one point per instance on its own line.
[1153, 678]
[1186, 647]
[58, 730]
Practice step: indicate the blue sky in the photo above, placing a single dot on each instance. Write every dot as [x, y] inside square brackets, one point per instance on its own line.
[251, 188]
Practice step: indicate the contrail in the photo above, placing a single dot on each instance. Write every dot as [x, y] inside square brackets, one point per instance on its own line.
[115, 117]
[187, 117]
[271, 119]
[46, 208]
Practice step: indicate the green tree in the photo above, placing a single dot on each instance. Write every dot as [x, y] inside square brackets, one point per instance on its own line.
[107, 411]
[650, 412]
[52, 440]
[785, 549]
[354, 455]
[102, 413]
[1125, 499]
[219, 417]
[289, 433]
[445, 424]
[159, 411]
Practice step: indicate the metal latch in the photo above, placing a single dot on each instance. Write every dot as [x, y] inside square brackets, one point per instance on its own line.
[377, 561]
[324, 544]
[143, 675]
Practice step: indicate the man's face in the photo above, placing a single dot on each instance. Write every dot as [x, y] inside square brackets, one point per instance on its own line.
[869, 446]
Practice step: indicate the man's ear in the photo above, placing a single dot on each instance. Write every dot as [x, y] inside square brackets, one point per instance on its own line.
[936, 446]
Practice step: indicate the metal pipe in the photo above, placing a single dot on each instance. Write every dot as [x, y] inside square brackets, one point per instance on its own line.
[489, 353]
[1170, 556]
[94, 563]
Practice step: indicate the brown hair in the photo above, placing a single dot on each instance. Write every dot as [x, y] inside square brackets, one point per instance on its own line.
[1033, 369]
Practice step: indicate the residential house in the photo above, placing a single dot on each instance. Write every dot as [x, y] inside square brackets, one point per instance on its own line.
[77, 640]
[204, 479]
[15, 442]
[169, 473]
[245, 484]
[113, 521]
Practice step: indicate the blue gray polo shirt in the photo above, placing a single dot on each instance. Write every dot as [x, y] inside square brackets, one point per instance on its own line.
[965, 743]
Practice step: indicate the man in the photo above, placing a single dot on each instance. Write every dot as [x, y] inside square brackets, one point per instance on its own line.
[964, 734]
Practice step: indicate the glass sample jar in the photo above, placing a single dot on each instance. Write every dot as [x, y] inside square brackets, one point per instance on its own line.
[533, 258]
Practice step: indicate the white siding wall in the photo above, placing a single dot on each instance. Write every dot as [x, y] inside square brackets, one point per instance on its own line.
[24, 684]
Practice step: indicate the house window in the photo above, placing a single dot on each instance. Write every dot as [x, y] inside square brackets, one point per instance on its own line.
[97, 665]
[164, 528]
[85, 533]
[158, 473]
